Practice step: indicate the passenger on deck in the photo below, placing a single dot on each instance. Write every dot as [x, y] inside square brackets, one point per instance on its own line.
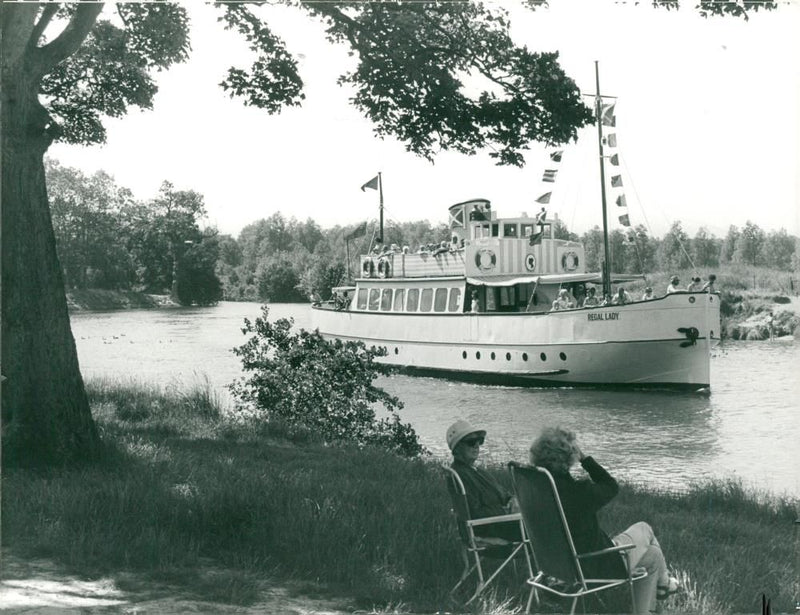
[443, 247]
[673, 285]
[485, 496]
[648, 294]
[557, 450]
[606, 300]
[475, 306]
[562, 302]
[315, 298]
[591, 299]
[709, 286]
[621, 297]
[696, 285]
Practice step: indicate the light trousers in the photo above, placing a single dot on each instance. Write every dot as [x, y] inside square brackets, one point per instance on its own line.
[647, 554]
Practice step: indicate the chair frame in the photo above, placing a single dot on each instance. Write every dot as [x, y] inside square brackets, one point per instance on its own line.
[474, 547]
[586, 586]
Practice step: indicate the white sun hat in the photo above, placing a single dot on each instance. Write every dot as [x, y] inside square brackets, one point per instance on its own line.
[459, 430]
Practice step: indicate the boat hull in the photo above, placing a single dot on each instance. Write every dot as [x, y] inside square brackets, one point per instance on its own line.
[642, 345]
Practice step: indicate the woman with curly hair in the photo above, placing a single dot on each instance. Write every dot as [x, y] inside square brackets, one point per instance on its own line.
[557, 450]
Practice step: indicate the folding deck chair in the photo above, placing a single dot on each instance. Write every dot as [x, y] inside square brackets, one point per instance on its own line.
[558, 564]
[477, 547]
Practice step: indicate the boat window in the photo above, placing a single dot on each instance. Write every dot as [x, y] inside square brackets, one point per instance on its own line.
[427, 300]
[507, 296]
[386, 300]
[491, 299]
[399, 296]
[413, 300]
[509, 230]
[481, 230]
[440, 302]
[455, 300]
[374, 296]
[495, 230]
[362, 299]
[527, 230]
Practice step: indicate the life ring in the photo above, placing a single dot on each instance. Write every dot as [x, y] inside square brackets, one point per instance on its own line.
[384, 268]
[367, 268]
[570, 261]
[530, 262]
[485, 260]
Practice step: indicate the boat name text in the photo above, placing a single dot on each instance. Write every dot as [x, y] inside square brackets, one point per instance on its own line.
[604, 316]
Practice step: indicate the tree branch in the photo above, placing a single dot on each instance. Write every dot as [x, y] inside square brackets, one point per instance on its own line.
[70, 40]
[16, 23]
[44, 20]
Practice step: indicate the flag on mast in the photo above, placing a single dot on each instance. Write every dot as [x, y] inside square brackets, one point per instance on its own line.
[373, 183]
[549, 175]
[621, 201]
[616, 181]
[607, 115]
[615, 160]
[359, 231]
[612, 140]
[545, 198]
[624, 220]
[556, 155]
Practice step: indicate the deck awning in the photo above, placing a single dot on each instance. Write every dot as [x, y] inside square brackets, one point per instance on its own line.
[558, 278]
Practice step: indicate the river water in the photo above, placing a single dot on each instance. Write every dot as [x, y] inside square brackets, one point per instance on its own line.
[749, 427]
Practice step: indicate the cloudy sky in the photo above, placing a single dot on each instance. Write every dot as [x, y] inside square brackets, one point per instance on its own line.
[707, 128]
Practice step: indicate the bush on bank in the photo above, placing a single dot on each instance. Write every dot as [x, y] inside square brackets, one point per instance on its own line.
[184, 482]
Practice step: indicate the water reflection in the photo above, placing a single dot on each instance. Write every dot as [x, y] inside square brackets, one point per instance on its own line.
[747, 427]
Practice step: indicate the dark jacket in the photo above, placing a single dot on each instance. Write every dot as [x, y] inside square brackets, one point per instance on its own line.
[486, 498]
[581, 499]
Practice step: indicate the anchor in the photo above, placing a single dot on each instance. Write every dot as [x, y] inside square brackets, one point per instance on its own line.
[691, 334]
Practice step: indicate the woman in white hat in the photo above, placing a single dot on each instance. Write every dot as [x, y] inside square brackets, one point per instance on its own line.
[485, 496]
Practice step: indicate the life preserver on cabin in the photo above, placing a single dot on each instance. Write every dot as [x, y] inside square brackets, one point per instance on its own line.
[485, 260]
[530, 262]
[367, 268]
[384, 267]
[570, 261]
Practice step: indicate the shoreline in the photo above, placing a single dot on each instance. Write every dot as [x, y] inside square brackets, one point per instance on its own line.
[98, 300]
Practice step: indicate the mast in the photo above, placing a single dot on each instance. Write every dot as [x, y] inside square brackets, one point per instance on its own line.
[599, 114]
[380, 192]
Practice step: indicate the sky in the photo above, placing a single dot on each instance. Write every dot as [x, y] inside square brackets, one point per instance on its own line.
[707, 128]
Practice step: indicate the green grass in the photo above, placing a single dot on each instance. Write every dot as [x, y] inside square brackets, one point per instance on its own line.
[184, 484]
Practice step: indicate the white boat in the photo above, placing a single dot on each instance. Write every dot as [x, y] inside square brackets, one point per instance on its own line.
[420, 307]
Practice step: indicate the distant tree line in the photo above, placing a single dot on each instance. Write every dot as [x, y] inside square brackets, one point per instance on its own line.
[107, 239]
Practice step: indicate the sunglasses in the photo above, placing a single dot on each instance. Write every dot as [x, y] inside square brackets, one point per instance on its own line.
[472, 441]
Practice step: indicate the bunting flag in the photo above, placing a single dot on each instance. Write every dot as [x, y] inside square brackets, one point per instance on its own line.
[545, 198]
[556, 156]
[616, 181]
[607, 115]
[535, 238]
[624, 220]
[612, 140]
[615, 160]
[550, 175]
[457, 218]
[373, 183]
[359, 231]
[621, 201]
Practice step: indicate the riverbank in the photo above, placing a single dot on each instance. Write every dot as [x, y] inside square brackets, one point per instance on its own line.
[98, 300]
[187, 490]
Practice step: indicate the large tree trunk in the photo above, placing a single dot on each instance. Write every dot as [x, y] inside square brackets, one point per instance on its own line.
[45, 412]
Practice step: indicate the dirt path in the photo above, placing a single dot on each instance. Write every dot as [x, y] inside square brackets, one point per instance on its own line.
[41, 586]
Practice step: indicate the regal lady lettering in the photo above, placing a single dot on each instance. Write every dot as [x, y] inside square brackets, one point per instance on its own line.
[603, 316]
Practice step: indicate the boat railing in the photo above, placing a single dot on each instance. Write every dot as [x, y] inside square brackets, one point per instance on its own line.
[438, 263]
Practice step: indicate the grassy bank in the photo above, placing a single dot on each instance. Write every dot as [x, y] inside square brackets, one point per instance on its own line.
[95, 300]
[184, 485]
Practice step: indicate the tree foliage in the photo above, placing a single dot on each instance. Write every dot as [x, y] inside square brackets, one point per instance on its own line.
[302, 379]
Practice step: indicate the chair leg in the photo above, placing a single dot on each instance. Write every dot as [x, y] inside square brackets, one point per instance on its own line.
[574, 604]
[481, 582]
[530, 599]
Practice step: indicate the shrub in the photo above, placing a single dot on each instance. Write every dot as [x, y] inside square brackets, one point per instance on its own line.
[306, 380]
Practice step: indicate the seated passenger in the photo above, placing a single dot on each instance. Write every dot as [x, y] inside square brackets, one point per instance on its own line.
[621, 297]
[673, 285]
[709, 286]
[562, 302]
[443, 247]
[648, 294]
[606, 301]
[591, 299]
[556, 450]
[485, 496]
[696, 285]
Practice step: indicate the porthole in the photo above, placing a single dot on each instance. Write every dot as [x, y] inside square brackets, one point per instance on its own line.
[396, 351]
[691, 299]
[524, 356]
[492, 355]
[543, 357]
[464, 355]
[478, 355]
[508, 356]
[562, 356]
[712, 334]
[710, 299]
